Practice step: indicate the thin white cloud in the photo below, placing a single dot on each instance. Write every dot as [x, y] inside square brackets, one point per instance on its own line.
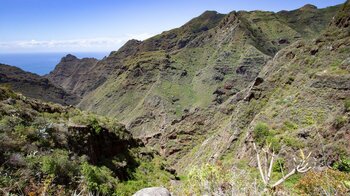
[91, 44]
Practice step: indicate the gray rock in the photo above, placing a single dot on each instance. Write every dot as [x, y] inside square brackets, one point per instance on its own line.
[153, 101]
[153, 191]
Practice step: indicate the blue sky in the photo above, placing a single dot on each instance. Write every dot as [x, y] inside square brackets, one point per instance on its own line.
[104, 25]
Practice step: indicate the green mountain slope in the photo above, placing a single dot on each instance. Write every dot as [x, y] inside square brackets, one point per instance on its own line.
[302, 95]
[192, 71]
[199, 93]
[200, 64]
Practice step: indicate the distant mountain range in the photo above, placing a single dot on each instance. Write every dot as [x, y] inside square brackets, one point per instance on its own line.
[196, 93]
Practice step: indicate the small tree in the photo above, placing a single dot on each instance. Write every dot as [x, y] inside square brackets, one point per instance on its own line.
[301, 165]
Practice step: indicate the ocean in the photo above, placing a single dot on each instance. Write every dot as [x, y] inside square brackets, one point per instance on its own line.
[42, 63]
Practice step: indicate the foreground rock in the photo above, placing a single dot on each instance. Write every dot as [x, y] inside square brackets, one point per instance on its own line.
[153, 191]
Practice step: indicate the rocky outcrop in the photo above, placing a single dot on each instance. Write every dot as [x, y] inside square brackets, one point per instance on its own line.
[335, 82]
[153, 191]
[70, 73]
[342, 19]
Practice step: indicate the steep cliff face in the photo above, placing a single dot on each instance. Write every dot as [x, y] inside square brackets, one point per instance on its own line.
[192, 92]
[200, 64]
[302, 96]
[341, 20]
[70, 73]
[225, 38]
[35, 86]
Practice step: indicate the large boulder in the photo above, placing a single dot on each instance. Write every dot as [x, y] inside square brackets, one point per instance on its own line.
[153, 191]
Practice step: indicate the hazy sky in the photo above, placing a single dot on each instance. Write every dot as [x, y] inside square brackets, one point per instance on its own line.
[104, 25]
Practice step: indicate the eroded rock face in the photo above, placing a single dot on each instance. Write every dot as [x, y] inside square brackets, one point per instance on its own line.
[314, 79]
[342, 19]
[71, 72]
[99, 144]
[153, 191]
[334, 82]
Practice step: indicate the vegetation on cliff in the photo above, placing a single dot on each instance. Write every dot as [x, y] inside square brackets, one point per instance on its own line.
[49, 149]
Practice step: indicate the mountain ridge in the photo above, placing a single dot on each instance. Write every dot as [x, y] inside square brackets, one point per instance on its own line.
[203, 93]
[70, 71]
[33, 85]
[163, 88]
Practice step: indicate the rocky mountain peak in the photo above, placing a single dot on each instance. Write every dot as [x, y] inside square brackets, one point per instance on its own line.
[129, 48]
[69, 57]
[208, 14]
[131, 43]
[308, 7]
[70, 72]
[204, 22]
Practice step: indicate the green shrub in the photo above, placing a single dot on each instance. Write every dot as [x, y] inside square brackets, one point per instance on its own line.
[95, 125]
[308, 120]
[328, 182]
[92, 120]
[340, 121]
[99, 179]
[210, 179]
[288, 125]
[261, 132]
[336, 64]
[293, 142]
[342, 165]
[347, 105]
[20, 129]
[148, 174]
[279, 165]
[9, 122]
[58, 165]
[292, 181]
[262, 135]
[206, 179]
[274, 141]
[6, 92]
